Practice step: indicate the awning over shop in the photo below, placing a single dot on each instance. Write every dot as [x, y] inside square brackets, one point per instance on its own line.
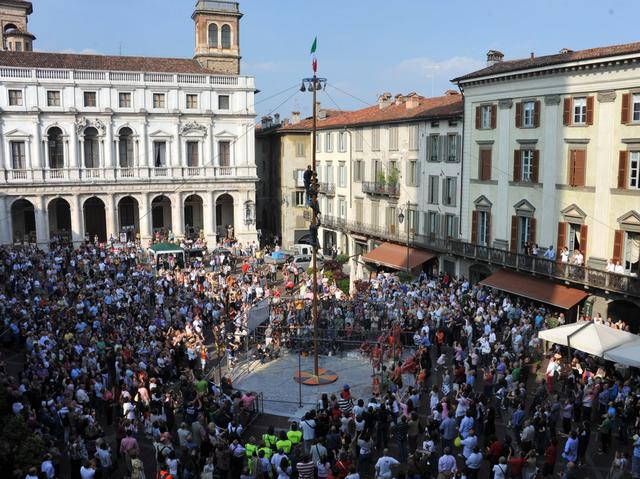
[536, 289]
[395, 256]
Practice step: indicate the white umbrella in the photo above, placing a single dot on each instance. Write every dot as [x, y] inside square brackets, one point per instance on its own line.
[589, 337]
[629, 354]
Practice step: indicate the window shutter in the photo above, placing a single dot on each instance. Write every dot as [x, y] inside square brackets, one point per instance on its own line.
[485, 165]
[519, 115]
[514, 234]
[566, 113]
[589, 110]
[478, 118]
[584, 233]
[535, 166]
[579, 168]
[562, 236]
[429, 141]
[474, 227]
[444, 148]
[488, 229]
[418, 174]
[618, 238]
[444, 191]
[626, 109]
[532, 231]
[494, 116]
[622, 169]
[458, 148]
[536, 114]
[517, 166]
[455, 227]
[293, 199]
[437, 231]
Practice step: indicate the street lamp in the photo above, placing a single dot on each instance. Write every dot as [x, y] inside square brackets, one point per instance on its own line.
[401, 220]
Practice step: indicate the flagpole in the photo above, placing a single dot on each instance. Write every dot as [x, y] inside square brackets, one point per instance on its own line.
[314, 307]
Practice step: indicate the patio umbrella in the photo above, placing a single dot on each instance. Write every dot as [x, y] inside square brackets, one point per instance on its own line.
[588, 337]
[629, 354]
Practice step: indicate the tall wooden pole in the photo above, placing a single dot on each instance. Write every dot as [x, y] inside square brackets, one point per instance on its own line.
[314, 308]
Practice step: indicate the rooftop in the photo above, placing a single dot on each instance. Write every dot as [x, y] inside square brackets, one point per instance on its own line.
[74, 61]
[217, 6]
[567, 56]
[18, 3]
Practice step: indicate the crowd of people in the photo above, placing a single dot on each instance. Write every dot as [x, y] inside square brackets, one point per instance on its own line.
[116, 361]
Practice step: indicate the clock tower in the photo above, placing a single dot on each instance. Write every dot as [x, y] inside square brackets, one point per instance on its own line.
[218, 35]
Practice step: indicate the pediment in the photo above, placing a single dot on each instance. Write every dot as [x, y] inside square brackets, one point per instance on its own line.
[225, 133]
[574, 211]
[524, 205]
[630, 218]
[17, 133]
[482, 201]
[160, 133]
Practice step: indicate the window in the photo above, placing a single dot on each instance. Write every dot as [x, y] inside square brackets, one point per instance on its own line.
[375, 138]
[90, 99]
[636, 107]
[330, 179]
[375, 214]
[634, 169]
[577, 167]
[300, 150]
[528, 111]
[359, 139]
[159, 100]
[53, 98]
[483, 230]
[393, 137]
[318, 146]
[192, 101]
[342, 207]
[358, 208]
[449, 191]
[433, 222]
[223, 102]
[15, 97]
[224, 153]
[414, 137]
[433, 189]
[484, 170]
[125, 148]
[523, 231]
[377, 170]
[55, 148]
[159, 154]
[226, 36]
[329, 206]
[91, 148]
[299, 175]
[434, 148]
[18, 158]
[486, 112]
[358, 171]
[193, 153]
[632, 253]
[580, 111]
[451, 226]
[392, 218]
[573, 242]
[527, 166]
[342, 141]
[453, 148]
[298, 198]
[342, 175]
[124, 100]
[213, 35]
[18, 46]
[328, 142]
[412, 221]
[412, 173]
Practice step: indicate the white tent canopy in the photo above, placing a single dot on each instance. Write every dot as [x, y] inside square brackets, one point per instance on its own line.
[629, 354]
[591, 338]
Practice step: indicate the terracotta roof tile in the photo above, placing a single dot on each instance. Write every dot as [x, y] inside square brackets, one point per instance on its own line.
[448, 106]
[74, 61]
[550, 60]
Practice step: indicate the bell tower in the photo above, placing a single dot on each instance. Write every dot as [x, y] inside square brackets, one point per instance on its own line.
[218, 35]
[13, 21]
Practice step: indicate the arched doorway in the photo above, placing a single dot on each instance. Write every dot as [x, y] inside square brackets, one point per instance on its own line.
[161, 214]
[60, 220]
[193, 216]
[23, 221]
[478, 272]
[129, 217]
[224, 216]
[95, 220]
[626, 311]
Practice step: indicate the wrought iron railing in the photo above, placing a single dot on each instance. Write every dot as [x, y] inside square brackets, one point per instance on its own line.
[385, 189]
[327, 188]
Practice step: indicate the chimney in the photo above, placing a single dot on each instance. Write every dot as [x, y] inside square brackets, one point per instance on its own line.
[318, 109]
[276, 118]
[533, 55]
[269, 121]
[413, 100]
[564, 51]
[384, 100]
[295, 117]
[263, 122]
[451, 92]
[493, 57]
[399, 99]
[285, 122]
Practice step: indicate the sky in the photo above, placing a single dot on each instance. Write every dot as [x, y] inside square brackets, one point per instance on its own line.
[365, 47]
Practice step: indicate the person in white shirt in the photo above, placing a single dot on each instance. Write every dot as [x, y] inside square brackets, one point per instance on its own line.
[88, 470]
[618, 268]
[32, 474]
[384, 465]
[564, 256]
[610, 266]
[47, 467]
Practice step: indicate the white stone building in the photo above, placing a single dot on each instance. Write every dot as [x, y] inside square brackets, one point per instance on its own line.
[94, 145]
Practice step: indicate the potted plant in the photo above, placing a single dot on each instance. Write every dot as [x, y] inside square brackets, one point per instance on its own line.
[392, 179]
[380, 180]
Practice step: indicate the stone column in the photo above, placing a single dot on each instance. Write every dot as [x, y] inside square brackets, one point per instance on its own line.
[5, 230]
[74, 154]
[177, 213]
[502, 216]
[37, 146]
[112, 215]
[143, 148]
[145, 216]
[548, 225]
[77, 223]
[42, 223]
[209, 209]
[109, 153]
[176, 161]
[600, 233]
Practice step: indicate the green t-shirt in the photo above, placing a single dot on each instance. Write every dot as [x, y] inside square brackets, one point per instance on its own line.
[515, 374]
[285, 445]
[294, 436]
[202, 386]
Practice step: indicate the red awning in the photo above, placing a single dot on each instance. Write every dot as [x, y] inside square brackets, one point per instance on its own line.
[395, 256]
[542, 290]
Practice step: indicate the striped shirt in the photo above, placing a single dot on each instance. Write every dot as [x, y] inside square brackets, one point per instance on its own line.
[306, 470]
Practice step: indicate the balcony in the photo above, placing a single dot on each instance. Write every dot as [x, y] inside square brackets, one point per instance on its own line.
[577, 276]
[328, 189]
[382, 189]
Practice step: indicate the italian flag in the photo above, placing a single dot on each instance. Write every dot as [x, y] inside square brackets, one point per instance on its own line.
[314, 60]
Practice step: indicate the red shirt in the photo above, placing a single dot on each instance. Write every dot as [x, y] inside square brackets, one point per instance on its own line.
[245, 267]
[550, 455]
[516, 464]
